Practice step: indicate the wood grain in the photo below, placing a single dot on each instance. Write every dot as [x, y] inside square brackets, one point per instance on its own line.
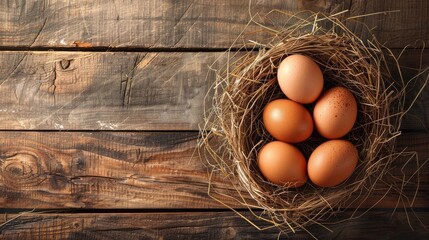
[142, 170]
[103, 170]
[104, 91]
[188, 24]
[203, 225]
[149, 183]
[130, 91]
[392, 28]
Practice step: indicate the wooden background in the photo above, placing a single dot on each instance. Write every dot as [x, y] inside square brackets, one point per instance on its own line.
[100, 107]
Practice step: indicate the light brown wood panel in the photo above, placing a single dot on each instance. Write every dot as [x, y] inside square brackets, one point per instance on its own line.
[187, 24]
[203, 225]
[140, 170]
[128, 91]
[104, 91]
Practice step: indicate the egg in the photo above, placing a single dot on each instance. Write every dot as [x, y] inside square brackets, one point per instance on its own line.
[335, 113]
[282, 164]
[300, 78]
[287, 121]
[332, 162]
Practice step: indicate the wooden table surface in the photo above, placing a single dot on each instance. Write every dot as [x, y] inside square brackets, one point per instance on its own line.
[100, 107]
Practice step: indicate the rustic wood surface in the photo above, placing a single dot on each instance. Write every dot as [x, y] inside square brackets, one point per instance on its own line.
[131, 91]
[101, 105]
[104, 91]
[186, 24]
[140, 170]
[201, 225]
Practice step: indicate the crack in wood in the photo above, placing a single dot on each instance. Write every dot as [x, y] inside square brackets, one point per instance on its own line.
[189, 28]
[184, 13]
[13, 72]
[53, 86]
[40, 31]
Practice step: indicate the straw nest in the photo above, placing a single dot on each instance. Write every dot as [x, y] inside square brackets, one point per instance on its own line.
[233, 132]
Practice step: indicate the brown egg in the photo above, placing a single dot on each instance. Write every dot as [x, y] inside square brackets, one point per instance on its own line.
[287, 121]
[335, 113]
[282, 164]
[332, 162]
[300, 78]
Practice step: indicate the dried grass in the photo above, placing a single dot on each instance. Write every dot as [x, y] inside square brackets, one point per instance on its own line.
[233, 131]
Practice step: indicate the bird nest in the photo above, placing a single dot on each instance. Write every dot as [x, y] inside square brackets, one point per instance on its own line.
[234, 132]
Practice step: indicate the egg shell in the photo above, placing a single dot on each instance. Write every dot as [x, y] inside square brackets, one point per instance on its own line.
[287, 121]
[335, 113]
[300, 78]
[282, 164]
[332, 162]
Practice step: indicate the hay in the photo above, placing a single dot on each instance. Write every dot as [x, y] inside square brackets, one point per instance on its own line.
[233, 131]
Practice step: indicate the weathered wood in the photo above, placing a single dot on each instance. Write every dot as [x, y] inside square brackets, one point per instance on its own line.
[127, 91]
[139, 170]
[391, 28]
[203, 225]
[103, 170]
[413, 62]
[187, 24]
[157, 172]
[105, 91]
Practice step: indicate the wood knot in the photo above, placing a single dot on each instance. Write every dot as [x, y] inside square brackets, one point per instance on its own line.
[78, 164]
[21, 170]
[229, 233]
[65, 64]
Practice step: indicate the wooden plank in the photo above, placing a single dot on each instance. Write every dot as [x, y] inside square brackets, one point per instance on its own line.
[413, 62]
[103, 170]
[128, 91]
[391, 28]
[141, 170]
[187, 24]
[104, 91]
[203, 225]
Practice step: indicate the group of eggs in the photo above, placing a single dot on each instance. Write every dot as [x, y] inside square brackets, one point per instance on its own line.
[289, 122]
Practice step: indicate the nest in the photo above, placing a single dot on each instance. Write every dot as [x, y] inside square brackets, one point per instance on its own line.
[233, 132]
